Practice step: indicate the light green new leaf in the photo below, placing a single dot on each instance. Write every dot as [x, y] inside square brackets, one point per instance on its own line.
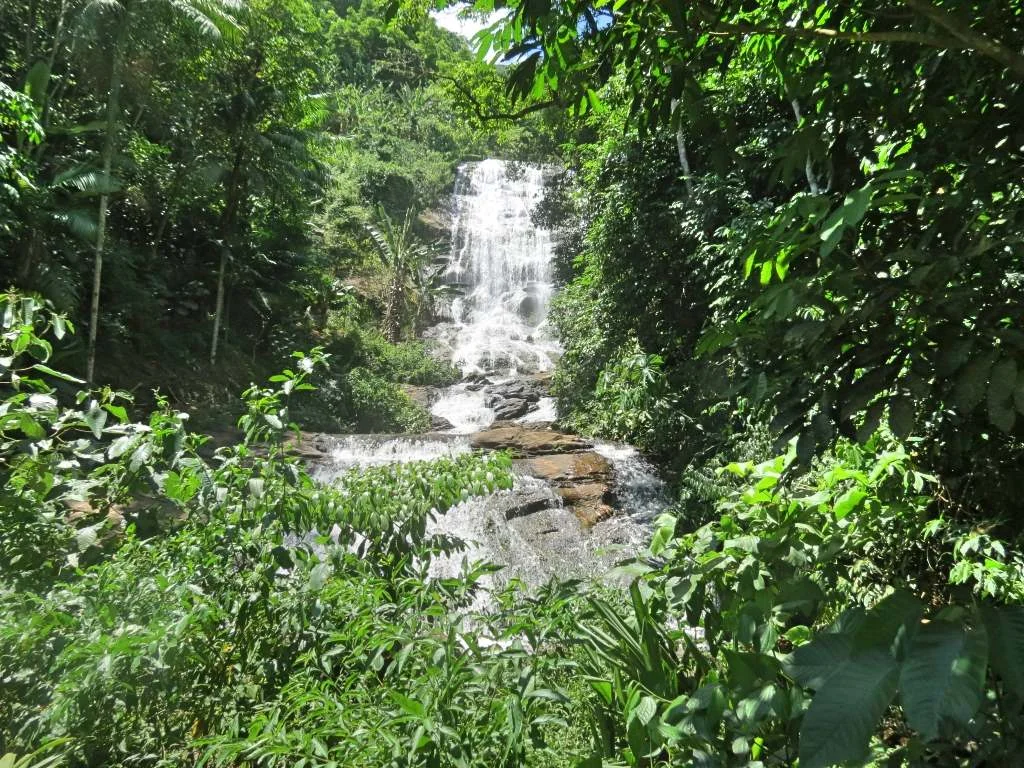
[848, 502]
[58, 374]
[943, 676]
[847, 216]
[837, 727]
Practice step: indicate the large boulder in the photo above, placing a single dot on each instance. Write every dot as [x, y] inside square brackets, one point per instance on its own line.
[440, 424]
[522, 441]
[569, 468]
[582, 480]
[421, 394]
[512, 408]
[591, 502]
[519, 389]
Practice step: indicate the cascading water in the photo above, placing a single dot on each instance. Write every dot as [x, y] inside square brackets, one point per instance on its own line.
[497, 333]
[503, 264]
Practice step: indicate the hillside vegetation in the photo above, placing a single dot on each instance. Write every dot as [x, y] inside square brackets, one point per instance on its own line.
[789, 258]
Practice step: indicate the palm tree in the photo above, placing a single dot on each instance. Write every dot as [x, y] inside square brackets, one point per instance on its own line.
[413, 265]
[211, 17]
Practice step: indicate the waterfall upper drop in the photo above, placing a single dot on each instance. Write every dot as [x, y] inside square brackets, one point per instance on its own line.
[502, 263]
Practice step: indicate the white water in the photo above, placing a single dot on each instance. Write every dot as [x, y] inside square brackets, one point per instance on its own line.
[497, 334]
[352, 451]
[503, 264]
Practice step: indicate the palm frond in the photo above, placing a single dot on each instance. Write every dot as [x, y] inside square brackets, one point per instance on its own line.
[80, 223]
[209, 16]
[86, 180]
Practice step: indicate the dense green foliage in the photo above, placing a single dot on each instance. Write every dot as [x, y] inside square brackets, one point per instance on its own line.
[788, 242]
[797, 225]
[227, 165]
[239, 633]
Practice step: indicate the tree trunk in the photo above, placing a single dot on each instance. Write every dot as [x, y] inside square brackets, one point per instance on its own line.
[234, 193]
[392, 311]
[113, 107]
[812, 179]
[220, 304]
[684, 158]
[28, 261]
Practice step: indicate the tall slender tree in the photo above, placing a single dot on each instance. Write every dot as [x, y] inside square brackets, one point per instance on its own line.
[211, 17]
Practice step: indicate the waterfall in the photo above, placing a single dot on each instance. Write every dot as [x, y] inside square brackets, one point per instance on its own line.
[496, 332]
[501, 265]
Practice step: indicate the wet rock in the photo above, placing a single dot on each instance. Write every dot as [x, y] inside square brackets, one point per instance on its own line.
[541, 380]
[570, 468]
[518, 389]
[311, 446]
[422, 395]
[522, 504]
[522, 441]
[511, 408]
[581, 480]
[591, 502]
[440, 424]
[530, 425]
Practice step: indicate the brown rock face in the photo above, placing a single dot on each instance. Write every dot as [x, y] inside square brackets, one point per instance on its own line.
[570, 468]
[528, 442]
[581, 479]
[589, 501]
[579, 475]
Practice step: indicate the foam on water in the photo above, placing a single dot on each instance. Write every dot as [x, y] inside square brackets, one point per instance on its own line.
[351, 451]
[503, 264]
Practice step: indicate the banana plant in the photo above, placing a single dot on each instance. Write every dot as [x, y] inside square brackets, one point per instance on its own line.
[413, 268]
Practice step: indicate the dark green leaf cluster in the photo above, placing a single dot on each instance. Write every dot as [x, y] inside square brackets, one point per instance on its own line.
[264, 618]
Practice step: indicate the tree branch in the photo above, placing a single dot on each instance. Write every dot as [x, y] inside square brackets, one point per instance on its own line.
[976, 41]
[485, 116]
[826, 33]
[960, 34]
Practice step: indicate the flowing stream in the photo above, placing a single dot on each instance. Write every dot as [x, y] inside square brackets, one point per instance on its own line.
[496, 332]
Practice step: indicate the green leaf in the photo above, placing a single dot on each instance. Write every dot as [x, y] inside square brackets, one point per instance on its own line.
[901, 417]
[887, 620]
[806, 445]
[645, 710]
[96, 418]
[952, 355]
[57, 374]
[30, 426]
[813, 664]
[837, 727]
[972, 383]
[943, 676]
[117, 411]
[1002, 382]
[848, 502]
[847, 216]
[409, 706]
[1005, 626]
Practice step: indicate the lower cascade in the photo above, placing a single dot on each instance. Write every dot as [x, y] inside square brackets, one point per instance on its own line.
[577, 506]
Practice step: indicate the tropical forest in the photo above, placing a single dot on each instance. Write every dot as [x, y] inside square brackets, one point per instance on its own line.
[511, 383]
